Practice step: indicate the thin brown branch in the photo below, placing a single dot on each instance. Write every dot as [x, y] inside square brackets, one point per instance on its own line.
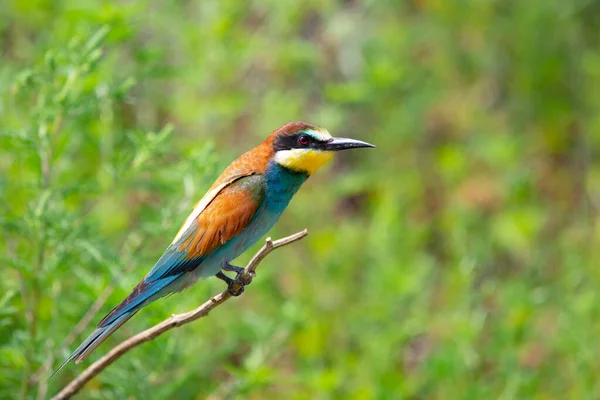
[175, 320]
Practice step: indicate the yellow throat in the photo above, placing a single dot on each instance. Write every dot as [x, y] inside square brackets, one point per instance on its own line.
[303, 160]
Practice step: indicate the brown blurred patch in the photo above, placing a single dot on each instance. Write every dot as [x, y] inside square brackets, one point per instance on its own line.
[288, 284]
[351, 205]
[480, 192]
[235, 359]
[532, 355]
[137, 198]
[240, 135]
[439, 123]
[416, 352]
[558, 185]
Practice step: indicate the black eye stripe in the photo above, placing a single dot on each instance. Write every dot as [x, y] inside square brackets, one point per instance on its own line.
[285, 142]
[288, 142]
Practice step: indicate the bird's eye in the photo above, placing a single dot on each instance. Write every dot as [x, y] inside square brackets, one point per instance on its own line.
[303, 140]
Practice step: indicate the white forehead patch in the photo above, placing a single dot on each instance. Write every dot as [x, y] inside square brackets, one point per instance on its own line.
[320, 135]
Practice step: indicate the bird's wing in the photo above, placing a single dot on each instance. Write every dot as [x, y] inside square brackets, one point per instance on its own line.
[220, 215]
[212, 223]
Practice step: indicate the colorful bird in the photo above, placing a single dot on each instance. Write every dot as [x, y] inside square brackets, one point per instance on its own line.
[239, 208]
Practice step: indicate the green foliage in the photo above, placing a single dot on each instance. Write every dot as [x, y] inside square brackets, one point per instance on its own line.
[456, 260]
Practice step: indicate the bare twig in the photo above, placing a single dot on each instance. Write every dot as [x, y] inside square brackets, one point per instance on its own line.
[175, 320]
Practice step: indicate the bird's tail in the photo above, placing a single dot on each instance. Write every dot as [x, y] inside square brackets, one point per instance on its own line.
[143, 294]
[94, 340]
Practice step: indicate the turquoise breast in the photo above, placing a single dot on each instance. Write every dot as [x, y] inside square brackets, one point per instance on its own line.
[280, 186]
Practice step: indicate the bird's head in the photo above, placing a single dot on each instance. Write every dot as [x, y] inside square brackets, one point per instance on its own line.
[305, 148]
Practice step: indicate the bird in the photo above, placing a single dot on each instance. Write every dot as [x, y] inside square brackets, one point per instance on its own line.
[240, 207]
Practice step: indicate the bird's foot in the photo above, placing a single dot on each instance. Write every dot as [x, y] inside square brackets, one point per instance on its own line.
[239, 273]
[245, 280]
[236, 286]
[235, 292]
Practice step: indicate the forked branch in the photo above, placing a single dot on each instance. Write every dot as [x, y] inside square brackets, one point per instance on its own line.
[175, 320]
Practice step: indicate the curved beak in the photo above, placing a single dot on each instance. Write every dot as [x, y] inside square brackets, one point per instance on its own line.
[337, 144]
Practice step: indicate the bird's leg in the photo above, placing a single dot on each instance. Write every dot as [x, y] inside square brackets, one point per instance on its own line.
[224, 278]
[228, 267]
[230, 282]
[238, 270]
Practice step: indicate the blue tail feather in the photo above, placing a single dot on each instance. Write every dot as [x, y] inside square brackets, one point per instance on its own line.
[94, 340]
[143, 294]
[140, 296]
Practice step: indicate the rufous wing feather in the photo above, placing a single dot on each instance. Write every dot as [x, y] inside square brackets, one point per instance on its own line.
[223, 218]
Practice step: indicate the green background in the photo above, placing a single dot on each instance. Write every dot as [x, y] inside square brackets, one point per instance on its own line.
[458, 260]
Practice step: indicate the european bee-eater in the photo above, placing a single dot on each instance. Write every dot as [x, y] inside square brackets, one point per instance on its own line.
[239, 208]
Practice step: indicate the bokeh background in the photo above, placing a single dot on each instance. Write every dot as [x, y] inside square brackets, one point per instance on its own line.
[458, 260]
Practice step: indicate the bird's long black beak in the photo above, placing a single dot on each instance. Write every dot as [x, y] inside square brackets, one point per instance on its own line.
[337, 144]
